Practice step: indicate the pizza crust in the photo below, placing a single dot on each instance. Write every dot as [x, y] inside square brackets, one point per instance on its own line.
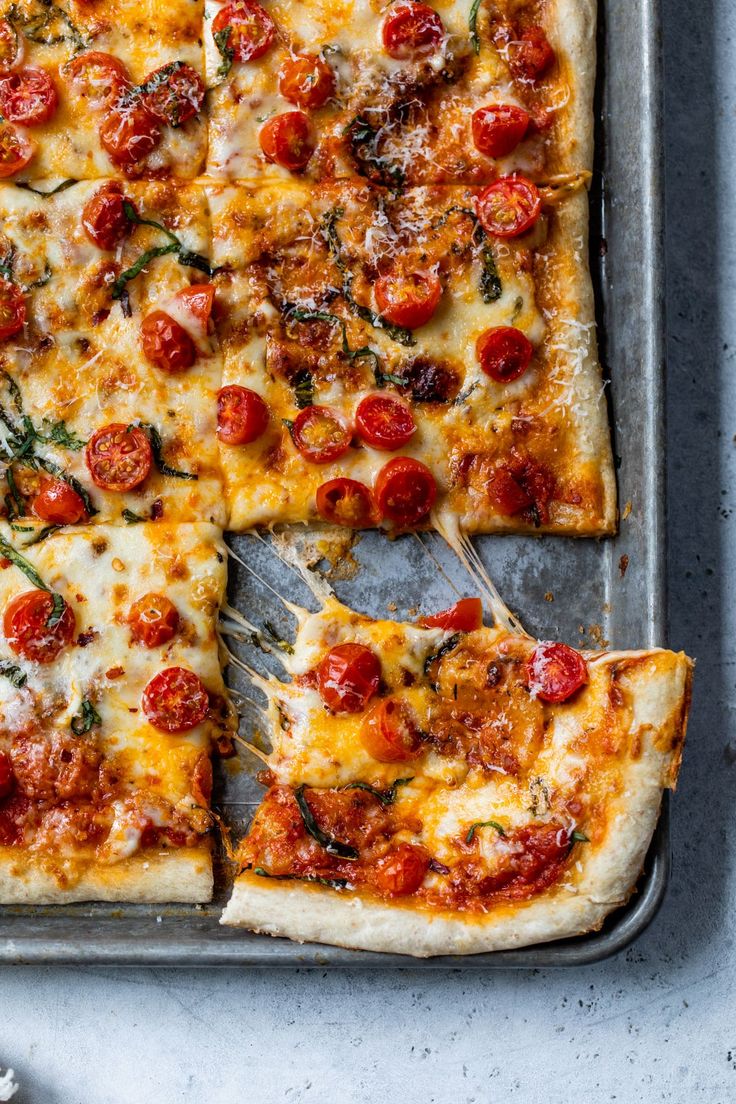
[571, 29]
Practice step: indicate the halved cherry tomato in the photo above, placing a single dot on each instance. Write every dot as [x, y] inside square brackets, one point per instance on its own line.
[175, 700]
[384, 423]
[411, 30]
[390, 732]
[104, 219]
[498, 129]
[347, 502]
[153, 620]
[321, 434]
[28, 97]
[509, 207]
[27, 630]
[307, 81]
[242, 415]
[531, 55]
[401, 870]
[166, 343]
[119, 457]
[405, 490]
[12, 48]
[97, 78]
[16, 150]
[465, 616]
[129, 133]
[408, 299]
[555, 671]
[58, 503]
[250, 29]
[175, 94]
[285, 139]
[348, 677]
[7, 778]
[504, 353]
[12, 309]
[198, 300]
[506, 493]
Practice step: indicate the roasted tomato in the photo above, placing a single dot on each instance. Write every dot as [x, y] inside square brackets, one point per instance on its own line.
[119, 457]
[7, 778]
[347, 502]
[408, 299]
[59, 504]
[509, 207]
[307, 81]
[199, 300]
[286, 140]
[12, 48]
[504, 353]
[321, 434]
[498, 129]
[166, 343]
[465, 616]
[175, 700]
[555, 672]
[401, 870]
[129, 133]
[16, 151]
[103, 217]
[97, 78]
[405, 491]
[522, 483]
[530, 55]
[153, 620]
[245, 28]
[27, 629]
[12, 309]
[348, 677]
[242, 415]
[174, 93]
[507, 494]
[28, 97]
[384, 423]
[390, 732]
[411, 30]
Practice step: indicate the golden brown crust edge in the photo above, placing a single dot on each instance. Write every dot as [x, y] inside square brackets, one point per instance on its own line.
[571, 29]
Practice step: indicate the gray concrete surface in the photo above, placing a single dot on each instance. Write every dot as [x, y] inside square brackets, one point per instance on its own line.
[656, 1024]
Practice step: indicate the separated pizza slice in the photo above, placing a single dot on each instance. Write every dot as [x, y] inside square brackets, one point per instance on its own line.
[445, 788]
[111, 698]
[93, 90]
[402, 94]
[428, 358]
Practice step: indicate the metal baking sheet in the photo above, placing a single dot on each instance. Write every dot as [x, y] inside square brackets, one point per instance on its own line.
[575, 590]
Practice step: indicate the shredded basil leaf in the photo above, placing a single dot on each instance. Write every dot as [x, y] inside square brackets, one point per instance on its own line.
[54, 191]
[13, 673]
[579, 837]
[83, 721]
[46, 25]
[491, 288]
[226, 52]
[331, 846]
[40, 282]
[57, 610]
[184, 256]
[20, 509]
[157, 448]
[483, 824]
[303, 386]
[448, 645]
[23, 565]
[387, 796]
[363, 136]
[284, 645]
[130, 518]
[331, 883]
[301, 314]
[473, 25]
[42, 534]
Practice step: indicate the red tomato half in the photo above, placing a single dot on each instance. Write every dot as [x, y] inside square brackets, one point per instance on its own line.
[249, 28]
[405, 491]
[15, 150]
[285, 139]
[408, 299]
[321, 434]
[59, 504]
[119, 457]
[347, 502]
[497, 130]
[390, 732]
[97, 78]
[26, 627]
[104, 219]
[509, 207]
[401, 871]
[555, 672]
[384, 423]
[129, 133]
[348, 677]
[411, 30]
[307, 81]
[507, 494]
[153, 620]
[175, 700]
[12, 48]
[7, 778]
[531, 55]
[465, 616]
[167, 344]
[242, 415]
[175, 94]
[12, 309]
[28, 97]
[504, 353]
[198, 300]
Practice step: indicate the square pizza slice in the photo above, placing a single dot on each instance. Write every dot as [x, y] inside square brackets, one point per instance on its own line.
[96, 89]
[427, 358]
[401, 94]
[446, 788]
[111, 698]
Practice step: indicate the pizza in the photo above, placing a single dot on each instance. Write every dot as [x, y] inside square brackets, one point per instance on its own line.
[111, 704]
[446, 788]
